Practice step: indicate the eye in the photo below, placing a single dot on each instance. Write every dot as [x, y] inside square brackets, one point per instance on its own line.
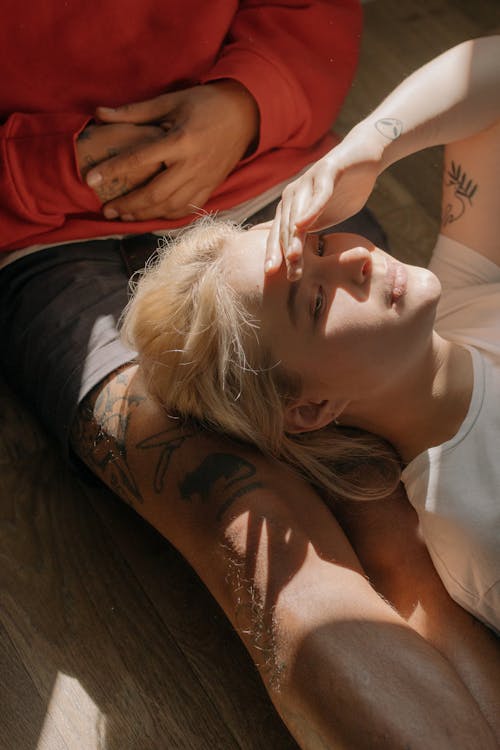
[318, 303]
[320, 245]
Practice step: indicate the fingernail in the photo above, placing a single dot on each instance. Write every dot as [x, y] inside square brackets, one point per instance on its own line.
[128, 217]
[268, 265]
[94, 178]
[111, 213]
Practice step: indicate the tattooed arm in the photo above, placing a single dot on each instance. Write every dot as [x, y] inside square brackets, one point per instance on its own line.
[453, 97]
[343, 669]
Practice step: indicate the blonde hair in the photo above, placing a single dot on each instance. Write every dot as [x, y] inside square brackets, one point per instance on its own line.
[199, 350]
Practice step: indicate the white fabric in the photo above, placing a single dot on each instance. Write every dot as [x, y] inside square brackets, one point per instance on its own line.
[455, 487]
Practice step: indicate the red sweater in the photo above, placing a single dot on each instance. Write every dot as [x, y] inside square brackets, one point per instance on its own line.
[61, 59]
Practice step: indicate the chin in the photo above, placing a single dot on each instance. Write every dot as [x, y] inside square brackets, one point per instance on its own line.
[424, 287]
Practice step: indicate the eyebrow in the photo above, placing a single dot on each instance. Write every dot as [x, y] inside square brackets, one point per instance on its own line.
[290, 301]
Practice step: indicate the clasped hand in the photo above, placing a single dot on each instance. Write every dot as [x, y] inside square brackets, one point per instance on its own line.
[181, 146]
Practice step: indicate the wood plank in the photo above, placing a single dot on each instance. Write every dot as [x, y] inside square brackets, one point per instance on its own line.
[80, 622]
[22, 711]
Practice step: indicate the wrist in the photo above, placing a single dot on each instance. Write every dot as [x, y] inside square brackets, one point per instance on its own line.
[247, 108]
[365, 144]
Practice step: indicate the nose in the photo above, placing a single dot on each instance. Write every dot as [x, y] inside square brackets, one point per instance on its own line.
[349, 268]
[355, 264]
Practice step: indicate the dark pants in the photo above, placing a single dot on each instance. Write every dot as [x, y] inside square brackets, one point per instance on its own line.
[59, 313]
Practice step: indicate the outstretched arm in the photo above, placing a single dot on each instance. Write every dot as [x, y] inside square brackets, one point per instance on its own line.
[453, 97]
[341, 666]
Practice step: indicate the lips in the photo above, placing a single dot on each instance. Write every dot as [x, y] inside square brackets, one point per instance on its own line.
[396, 281]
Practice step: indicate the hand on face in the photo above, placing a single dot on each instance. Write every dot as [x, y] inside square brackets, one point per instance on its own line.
[332, 190]
[205, 131]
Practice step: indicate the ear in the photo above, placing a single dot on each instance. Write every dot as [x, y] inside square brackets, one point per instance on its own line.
[306, 416]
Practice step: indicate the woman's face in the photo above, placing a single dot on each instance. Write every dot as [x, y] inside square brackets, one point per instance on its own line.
[353, 323]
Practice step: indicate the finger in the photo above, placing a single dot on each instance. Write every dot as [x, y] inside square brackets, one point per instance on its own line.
[143, 202]
[167, 196]
[148, 153]
[274, 256]
[150, 110]
[308, 211]
[291, 245]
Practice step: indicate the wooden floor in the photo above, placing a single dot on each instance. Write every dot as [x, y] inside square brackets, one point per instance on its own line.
[107, 640]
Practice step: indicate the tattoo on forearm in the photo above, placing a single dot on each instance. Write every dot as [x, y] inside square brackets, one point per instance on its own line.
[99, 436]
[389, 127]
[166, 442]
[234, 472]
[463, 191]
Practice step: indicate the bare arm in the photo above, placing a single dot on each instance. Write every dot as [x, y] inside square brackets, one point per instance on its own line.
[452, 98]
[400, 568]
[341, 666]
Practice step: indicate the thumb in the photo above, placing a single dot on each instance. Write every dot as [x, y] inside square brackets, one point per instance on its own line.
[150, 110]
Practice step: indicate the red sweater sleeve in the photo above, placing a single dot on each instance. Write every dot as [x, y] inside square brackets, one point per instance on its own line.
[297, 59]
[39, 179]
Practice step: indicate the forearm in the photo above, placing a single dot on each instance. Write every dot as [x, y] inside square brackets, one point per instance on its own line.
[452, 97]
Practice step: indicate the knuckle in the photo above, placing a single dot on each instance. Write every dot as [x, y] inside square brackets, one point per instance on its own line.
[134, 160]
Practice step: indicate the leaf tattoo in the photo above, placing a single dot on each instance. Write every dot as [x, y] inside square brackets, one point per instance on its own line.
[464, 190]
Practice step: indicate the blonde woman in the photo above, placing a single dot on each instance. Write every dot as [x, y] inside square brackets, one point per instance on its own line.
[344, 337]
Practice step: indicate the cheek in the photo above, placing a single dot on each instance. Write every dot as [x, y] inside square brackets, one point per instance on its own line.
[351, 324]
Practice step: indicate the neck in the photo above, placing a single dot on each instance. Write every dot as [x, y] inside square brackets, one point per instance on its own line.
[426, 406]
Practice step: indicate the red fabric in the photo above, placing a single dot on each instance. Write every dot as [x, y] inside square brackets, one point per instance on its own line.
[60, 60]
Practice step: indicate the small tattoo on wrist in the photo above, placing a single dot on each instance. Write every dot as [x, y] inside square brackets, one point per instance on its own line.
[389, 127]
